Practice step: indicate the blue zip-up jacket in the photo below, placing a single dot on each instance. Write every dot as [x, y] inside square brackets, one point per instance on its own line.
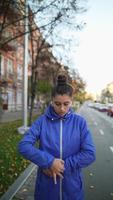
[64, 137]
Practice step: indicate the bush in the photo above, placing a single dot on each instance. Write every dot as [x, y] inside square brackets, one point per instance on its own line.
[44, 86]
[11, 162]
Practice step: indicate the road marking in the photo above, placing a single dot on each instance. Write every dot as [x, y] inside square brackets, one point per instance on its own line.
[111, 148]
[95, 123]
[101, 132]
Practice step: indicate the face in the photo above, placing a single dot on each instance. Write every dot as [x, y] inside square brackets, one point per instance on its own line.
[61, 104]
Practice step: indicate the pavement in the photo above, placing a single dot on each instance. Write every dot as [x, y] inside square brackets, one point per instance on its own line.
[26, 192]
[24, 185]
[7, 116]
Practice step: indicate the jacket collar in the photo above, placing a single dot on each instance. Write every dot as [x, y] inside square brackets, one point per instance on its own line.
[51, 114]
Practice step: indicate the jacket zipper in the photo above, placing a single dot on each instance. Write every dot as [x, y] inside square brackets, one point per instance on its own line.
[61, 157]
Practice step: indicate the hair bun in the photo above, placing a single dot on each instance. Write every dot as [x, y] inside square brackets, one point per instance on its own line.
[61, 80]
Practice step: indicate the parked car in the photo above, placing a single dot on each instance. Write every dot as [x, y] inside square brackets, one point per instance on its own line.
[110, 110]
[100, 107]
[103, 108]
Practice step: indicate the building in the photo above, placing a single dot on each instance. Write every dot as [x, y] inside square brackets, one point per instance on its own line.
[12, 57]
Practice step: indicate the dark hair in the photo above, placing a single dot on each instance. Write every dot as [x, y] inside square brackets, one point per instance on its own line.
[62, 87]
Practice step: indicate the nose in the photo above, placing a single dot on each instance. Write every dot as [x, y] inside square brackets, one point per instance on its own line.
[62, 108]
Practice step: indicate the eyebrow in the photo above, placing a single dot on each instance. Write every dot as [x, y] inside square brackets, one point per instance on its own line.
[61, 102]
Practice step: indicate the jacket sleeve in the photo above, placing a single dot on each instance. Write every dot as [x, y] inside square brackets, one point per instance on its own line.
[86, 154]
[30, 152]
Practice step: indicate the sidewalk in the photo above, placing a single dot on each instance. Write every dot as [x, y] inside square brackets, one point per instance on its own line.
[26, 192]
[24, 185]
[8, 116]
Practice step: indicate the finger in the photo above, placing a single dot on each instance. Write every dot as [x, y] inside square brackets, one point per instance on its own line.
[61, 170]
[62, 161]
[61, 167]
[47, 172]
[60, 175]
[54, 178]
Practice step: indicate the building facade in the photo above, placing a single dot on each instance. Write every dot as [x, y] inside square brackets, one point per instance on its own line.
[12, 58]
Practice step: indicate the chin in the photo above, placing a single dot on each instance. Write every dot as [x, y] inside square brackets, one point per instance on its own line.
[62, 114]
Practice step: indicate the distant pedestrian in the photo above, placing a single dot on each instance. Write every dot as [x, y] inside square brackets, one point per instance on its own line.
[65, 147]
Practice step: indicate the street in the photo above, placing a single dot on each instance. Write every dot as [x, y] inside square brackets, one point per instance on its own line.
[99, 176]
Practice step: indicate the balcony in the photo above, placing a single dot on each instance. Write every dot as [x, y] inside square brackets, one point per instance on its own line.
[10, 46]
[7, 42]
[3, 83]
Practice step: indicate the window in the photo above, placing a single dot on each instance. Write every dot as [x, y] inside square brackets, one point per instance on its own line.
[19, 99]
[11, 99]
[10, 66]
[29, 57]
[19, 72]
[1, 65]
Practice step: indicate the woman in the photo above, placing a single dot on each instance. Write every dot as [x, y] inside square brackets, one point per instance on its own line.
[65, 146]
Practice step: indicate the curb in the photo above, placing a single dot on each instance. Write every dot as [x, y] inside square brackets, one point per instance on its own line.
[13, 189]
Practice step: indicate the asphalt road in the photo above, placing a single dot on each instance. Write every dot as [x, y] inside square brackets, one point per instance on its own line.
[99, 176]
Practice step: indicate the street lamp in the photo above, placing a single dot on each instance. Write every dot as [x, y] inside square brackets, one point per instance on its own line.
[24, 128]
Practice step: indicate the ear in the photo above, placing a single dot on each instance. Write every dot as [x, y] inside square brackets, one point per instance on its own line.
[71, 103]
[51, 103]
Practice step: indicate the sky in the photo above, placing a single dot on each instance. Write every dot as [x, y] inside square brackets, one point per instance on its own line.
[94, 56]
[90, 51]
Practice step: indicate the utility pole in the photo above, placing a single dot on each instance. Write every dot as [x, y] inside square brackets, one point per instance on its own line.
[24, 128]
[25, 67]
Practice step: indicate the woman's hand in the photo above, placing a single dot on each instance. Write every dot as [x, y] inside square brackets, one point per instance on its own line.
[57, 166]
[56, 169]
[48, 172]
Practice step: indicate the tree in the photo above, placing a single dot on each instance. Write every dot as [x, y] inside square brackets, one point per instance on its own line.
[106, 95]
[79, 86]
[44, 62]
[61, 24]
[60, 15]
[1, 101]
